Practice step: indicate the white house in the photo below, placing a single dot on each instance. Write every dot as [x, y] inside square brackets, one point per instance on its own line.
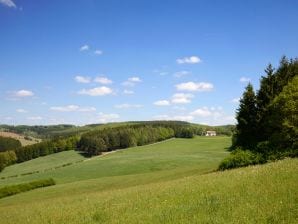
[210, 133]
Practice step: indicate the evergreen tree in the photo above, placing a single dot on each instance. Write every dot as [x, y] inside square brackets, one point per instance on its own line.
[246, 118]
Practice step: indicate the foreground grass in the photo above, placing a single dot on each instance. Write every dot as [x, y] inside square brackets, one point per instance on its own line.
[163, 161]
[260, 194]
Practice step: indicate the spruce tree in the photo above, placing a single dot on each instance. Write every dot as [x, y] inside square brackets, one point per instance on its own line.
[246, 136]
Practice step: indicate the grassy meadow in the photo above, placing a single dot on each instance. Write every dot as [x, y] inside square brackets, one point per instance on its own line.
[167, 182]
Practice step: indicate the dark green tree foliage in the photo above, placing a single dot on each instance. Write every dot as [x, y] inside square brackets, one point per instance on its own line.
[45, 148]
[247, 120]
[283, 118]
[95, 142]
[7, 158]
[275, 121]
[7, 143]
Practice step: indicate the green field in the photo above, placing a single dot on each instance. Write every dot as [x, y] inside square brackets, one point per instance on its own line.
[168, 182]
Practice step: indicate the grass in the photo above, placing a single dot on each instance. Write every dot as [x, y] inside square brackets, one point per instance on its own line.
[169, 182]
[259, 194]
[41, 164]
[172, 158]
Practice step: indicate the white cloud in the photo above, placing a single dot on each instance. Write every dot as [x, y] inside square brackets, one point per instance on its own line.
[189, 60]
[127, 106]
[163, 73]
[128, 92]
[134, 79]
[21, 111]
[131, 81]
[182, 98]
[235, 100]
[202, 112]
[103, 80]
[8, 3]
[84, 48]
[98, 52]
[162, 103]
[82, 79]
[192, 86]
[174, 118]
[98, 91]
[23, 93]
[104, 118]
[72, 108]
[35, 118]
[244, 79]
[181, 74]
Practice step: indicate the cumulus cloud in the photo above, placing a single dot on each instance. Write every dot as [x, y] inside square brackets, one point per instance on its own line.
[127, 106]
[98, 91]
[82, 79]
[98, 52]
[162, 103]
[72, 108]
[128, 92]
[181, 74]
[104, 118]
[202, 112]
[131, 81]
[189, 60]
[103, 80]
[23, 93]
[244, 79]
[84, 47]
[21, 110]
[192, 86]
[8, 3]
[182, 98]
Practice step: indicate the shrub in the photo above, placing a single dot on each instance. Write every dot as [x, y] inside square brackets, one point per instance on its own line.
[240, 158]
[19, 188]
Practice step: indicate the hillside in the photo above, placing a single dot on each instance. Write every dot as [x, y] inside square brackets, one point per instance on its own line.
[23, 139]
[248, 195]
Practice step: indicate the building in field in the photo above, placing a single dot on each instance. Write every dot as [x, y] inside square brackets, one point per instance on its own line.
[210, 133]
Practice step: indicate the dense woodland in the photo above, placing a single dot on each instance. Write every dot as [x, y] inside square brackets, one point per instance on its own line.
[267, 120]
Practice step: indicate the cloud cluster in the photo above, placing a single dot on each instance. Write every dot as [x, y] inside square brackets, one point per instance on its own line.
[162, 103]
[181, 74]
[132, 81]
[189, 60]
[73, 108]
[86, 47]
[195, 87]
[82, 79]
[103, 80]
[97, 91]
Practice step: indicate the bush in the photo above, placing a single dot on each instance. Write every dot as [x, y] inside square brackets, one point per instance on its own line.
[19, 188]
[240, 158]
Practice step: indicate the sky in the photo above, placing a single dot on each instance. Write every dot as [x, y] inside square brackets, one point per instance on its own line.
[97, 61]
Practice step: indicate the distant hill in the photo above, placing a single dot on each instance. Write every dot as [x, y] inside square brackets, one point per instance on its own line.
[25, 140]
[64, 130]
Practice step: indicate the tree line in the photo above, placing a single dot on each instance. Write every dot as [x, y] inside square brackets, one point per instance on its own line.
[96, 142]
[267, 119]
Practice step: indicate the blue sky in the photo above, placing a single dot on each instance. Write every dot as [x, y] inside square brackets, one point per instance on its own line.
[94, 61]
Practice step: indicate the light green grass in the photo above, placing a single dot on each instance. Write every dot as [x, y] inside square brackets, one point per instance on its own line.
[169, 159]
[259, 194]
[41, 164]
